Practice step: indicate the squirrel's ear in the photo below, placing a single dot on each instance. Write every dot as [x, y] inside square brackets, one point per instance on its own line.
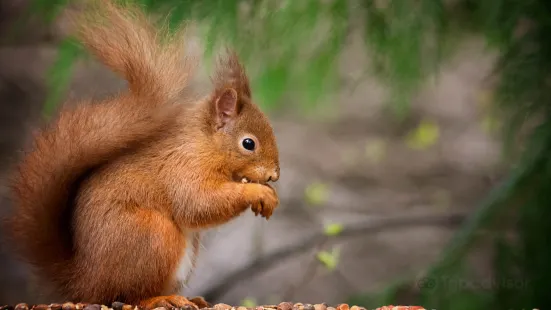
[226, 106]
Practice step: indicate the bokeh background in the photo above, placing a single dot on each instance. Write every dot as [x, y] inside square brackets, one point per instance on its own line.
[414, 139]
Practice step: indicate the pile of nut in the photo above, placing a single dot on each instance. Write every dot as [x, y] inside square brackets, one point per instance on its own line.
[121, 306]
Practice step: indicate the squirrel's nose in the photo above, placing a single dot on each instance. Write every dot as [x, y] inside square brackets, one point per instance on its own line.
[273, 176]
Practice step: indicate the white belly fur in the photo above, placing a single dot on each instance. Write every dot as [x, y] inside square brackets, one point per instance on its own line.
[185, 268]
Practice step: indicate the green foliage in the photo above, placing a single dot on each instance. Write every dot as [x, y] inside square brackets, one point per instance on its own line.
[406, 37]
[60, 74]
[329, 259]
[291, 47]
[333, 229]
[265, 35]
[316, 193]
[249, 303]
[424, 136]
[48, 10]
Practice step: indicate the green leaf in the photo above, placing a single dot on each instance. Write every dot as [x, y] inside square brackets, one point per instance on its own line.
[333, 229]
[249, 302]
[316, 193]
[424, 136]
[329, 259]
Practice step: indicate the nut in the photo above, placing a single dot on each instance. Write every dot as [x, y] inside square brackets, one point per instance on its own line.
[68, 306]
[92, 307]
[285, 306]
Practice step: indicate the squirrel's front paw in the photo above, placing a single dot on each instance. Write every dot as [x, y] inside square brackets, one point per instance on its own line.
[266, 201]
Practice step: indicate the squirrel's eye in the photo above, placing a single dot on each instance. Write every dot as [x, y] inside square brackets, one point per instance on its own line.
[248, 144]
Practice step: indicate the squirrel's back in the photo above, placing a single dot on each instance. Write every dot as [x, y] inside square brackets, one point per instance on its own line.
[88, 135]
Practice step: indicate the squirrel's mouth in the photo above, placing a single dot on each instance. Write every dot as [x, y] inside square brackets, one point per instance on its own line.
[246, 180]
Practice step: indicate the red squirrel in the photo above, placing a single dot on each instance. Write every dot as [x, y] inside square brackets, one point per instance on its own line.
[110, 190]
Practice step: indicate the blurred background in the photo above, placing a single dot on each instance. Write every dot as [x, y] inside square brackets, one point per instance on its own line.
[414, 142]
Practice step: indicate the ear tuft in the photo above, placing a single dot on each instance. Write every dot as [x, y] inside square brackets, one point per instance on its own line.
[227, 106]
[231, 73]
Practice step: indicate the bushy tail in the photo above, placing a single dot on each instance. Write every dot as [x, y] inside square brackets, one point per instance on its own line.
[152, 59]
[86, 136]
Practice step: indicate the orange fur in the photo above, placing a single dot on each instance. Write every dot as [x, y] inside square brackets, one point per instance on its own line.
[109, 191]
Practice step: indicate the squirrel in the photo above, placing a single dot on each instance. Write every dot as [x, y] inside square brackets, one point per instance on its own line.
[109, 191]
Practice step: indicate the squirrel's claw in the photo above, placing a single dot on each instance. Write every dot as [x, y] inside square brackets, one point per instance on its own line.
[266, 201]
[257, 208]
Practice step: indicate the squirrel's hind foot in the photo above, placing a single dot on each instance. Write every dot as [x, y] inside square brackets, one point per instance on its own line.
[174, 301]
[200, 302]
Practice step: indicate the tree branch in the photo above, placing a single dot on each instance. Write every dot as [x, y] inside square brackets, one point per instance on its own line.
[394, 223]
